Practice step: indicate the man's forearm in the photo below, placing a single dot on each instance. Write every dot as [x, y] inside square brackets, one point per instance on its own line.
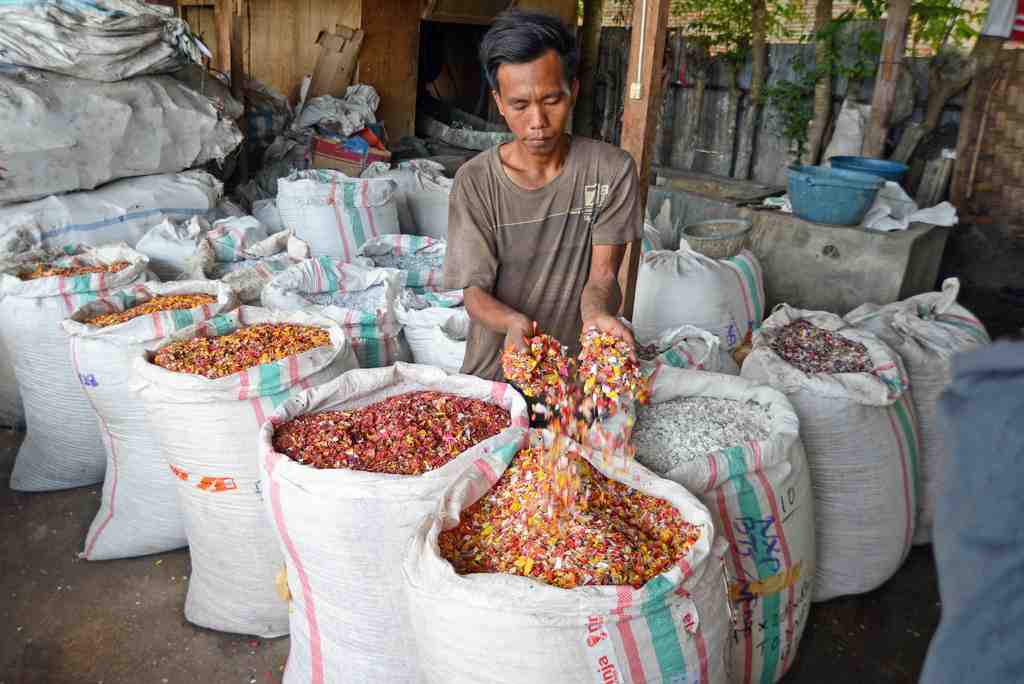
[490, 312]
[601, 296]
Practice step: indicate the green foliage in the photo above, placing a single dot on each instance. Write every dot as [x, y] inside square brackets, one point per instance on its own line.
[727, 25]
[936, 23]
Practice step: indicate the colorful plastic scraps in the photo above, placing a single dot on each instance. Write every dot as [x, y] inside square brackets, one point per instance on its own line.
[154, 305]
[816, 350]
[408, 434]
[71, 267]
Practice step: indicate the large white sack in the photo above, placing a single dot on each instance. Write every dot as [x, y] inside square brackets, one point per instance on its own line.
[64, 134]
[139, 511]
[117, 212]
[63, 447]
[722, 296]
[926, 330]
[504, 628]
[336, 214]
[436, 326]
[376, 337]
[422, 195]
[759, 495]
[862, 444]
[688, 347]
[103, 41]
[171, 244]
[208, 432]
[239, 252]
[345, 628]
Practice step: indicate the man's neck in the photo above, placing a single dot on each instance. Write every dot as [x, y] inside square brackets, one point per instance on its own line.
[530, 170]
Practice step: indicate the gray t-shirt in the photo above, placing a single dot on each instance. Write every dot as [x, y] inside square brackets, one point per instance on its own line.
[531, 249]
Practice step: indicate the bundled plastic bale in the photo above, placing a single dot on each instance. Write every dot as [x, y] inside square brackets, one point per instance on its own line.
[122, 211]
[723, 296]
[362, 300]
[342, 628]
[686, 347]
[208, 433]
[927, 331]
[420, 258]
[860, 434]
[436, 326]
[516, 629]
[422, 195]
[759, 495]
[240, 253]
[63, 447]
[66, 134]
[108, 41]
[138, 512]
[335, 214]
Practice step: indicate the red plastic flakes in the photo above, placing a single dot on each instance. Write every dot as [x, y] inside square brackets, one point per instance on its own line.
[51, 270]
[614, 535]
[216, 357]
[817, 350]
[157, 304]
[408, 434]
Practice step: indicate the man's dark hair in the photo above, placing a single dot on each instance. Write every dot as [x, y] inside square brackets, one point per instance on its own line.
[518, 36]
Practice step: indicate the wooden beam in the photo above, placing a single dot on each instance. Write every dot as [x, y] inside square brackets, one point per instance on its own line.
[590, 53]
[222, 12]
[893, 46]
[234, 11]
[640, 115]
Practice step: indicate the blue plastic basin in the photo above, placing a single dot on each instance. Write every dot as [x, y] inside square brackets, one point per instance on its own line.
[832, 196]
[889, 170]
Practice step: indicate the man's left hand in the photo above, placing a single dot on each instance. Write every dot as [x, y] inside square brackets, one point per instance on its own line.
[613, 326]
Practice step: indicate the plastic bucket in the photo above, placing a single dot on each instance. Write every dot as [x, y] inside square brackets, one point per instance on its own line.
[831, 196]
[889, 170]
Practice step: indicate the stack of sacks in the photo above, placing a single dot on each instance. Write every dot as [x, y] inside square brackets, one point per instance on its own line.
[63, 447]
[422, 195]
[420, 258]
[436, 326]
[361, 299]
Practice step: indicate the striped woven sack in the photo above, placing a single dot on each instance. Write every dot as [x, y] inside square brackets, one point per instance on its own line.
[861, 438]
[687, 347]
[508, 628]
[420, 257]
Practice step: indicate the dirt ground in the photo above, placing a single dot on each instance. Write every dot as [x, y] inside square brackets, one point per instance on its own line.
[66, 620]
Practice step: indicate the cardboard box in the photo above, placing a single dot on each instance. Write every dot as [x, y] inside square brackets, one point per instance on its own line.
[328, 154]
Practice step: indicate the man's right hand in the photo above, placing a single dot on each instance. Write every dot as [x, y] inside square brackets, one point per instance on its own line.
[519, 328]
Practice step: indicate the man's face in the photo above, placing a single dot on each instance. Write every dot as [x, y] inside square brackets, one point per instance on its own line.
[536, 101]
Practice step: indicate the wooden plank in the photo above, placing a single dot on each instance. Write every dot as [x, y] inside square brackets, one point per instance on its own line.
[894, 44]
[222, 36]
[640, 116]
[196, 3]
[336, 63]
[389, 61]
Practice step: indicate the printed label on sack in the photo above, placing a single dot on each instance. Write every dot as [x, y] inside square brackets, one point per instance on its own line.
[88, 379]
[601, 652]
[746, 590]
[179, 473]
[217, 484]
[684, 612]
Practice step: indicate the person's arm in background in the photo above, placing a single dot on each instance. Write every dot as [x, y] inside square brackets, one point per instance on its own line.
[471, 265]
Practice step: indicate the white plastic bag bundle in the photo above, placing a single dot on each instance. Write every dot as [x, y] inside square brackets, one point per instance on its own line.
[861, 439]
[343, 627]
[759, 495]
[336, 214]
[851, 125]
[722, 296]
[117, 212]
[926, 330]
[103, 41]
[506, 628]
[63, 447]
[422, 195]
[436, 326]
[208, 432]
[170, 245]
[687, 347]
[420, 258]
[65, 134]
[238, 252]
[138, 512]
[328, 287]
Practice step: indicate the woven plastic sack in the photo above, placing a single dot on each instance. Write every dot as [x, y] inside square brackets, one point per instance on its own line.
[53, 143]
[239, 253]
[860, 435]
[344, 629]
[138, 512]
[312, 285]
[505, 628]
[436, 326]
[63, 447]
[103, 41]
[336, 214]
[208, 432]
[759, 495]
[722, 296]
[422, 195]
[424, 272]
[927, 331]
[170, 245]
[122, 211]
[688, 347]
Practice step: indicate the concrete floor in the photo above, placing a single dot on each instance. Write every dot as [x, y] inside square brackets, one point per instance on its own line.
[65, 620]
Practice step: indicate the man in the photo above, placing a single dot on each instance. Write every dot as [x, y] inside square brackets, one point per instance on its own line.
[538, 226]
